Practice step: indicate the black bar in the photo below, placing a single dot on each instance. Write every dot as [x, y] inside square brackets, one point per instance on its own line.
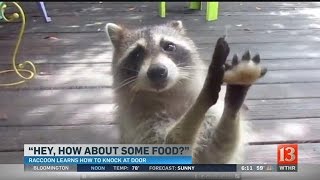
[156, 168]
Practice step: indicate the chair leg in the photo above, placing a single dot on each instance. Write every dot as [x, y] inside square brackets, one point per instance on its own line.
[44, 11]
[1, 4]
[162, 9]
[212, 11]
[195, 5]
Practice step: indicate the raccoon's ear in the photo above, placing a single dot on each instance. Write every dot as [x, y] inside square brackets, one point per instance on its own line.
[178, 26]
[114, 33]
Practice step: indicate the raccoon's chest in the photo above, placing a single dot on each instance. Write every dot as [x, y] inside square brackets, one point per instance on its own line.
[147, 120]
[146, 129]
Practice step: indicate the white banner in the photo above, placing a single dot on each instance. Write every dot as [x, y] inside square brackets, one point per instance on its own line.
[106, 150]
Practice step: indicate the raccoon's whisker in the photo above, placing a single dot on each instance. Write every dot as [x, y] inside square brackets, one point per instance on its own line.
[184, 71]
[190, 67]
[187, 68]
[180, 83]
[183, 63]
[129, 69]
[184, 67]
[134, 95]
[134, 88]
[128, 81]
[125, 84]
[186, 76]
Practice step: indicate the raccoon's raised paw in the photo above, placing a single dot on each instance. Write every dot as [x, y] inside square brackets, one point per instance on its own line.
[221, 53]
[217, 65]
[214, 80]
[244, 72]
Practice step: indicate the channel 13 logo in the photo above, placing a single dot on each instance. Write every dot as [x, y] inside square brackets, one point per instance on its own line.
[287, 154]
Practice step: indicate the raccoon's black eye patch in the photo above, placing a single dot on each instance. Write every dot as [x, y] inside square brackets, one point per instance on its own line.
[169, 46]
[137, 53]
[178, 53]
[130, 66]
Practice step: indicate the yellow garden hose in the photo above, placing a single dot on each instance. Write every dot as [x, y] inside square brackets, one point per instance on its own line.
[21, 66]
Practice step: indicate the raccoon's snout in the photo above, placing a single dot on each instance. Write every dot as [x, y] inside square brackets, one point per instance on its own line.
[157, 73]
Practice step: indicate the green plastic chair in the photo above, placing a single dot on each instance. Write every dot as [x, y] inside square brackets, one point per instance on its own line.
[1, 3]
[212, 9]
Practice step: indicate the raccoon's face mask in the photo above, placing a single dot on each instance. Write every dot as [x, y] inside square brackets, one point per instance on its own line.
[155, 58]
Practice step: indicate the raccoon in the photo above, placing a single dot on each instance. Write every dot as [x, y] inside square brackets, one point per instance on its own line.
[165, 94]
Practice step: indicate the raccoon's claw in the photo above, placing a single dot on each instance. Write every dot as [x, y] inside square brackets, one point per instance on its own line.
[246, 56]
[235, 60]
[244, 72]
[256, 59]
[263, 72]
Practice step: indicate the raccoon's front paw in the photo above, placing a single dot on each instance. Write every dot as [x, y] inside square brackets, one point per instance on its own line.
[217, 66]
[220, 54]
[244, 72]
[214, 80]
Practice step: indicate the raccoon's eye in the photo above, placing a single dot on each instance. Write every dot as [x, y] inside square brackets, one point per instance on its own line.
[169, 46]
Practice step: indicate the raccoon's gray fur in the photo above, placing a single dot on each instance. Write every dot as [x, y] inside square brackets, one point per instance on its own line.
[164, 93]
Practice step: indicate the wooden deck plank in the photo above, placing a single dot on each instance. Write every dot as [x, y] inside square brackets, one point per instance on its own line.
[97, 23]
[60, 115]
[84, 95]
[284, 91]
[284, 108]
[105, 67]
[68, 113]
[235, 8]
[68, 68]
[227, 6]
[263, 131]
[86, 116]
[94, 54]
[11, 157]
[88, 134]
[97, 7]
[109, 134]
[205, 37]
[278, 130]
[56, 97]
[172, 8]
[78, 79]
[267, 51]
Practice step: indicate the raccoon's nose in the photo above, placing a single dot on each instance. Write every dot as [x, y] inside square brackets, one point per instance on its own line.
[157, 72]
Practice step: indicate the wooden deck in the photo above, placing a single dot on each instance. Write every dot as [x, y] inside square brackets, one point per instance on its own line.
[70, 101]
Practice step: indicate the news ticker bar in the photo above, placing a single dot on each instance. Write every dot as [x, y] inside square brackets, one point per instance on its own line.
[162, 168]
[139, 158]
[62, 160]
